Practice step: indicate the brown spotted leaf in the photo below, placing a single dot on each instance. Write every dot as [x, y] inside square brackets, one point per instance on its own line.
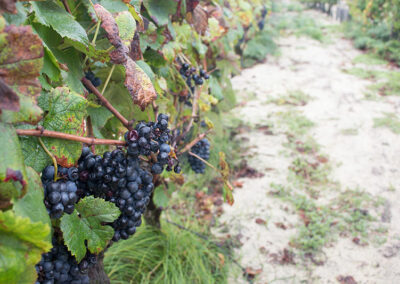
[200, 20]
[136, 80]
[65, 112]
[21, 59]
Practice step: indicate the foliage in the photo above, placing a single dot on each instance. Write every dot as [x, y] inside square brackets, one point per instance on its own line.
[171, 255]
[136, 49]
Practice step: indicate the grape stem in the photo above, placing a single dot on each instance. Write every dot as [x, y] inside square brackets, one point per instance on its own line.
[105, 102]
[204, 161]
[194, 142]
[65, 136]
[51, 157]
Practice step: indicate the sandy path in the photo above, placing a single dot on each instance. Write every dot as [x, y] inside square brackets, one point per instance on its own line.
[362, 158]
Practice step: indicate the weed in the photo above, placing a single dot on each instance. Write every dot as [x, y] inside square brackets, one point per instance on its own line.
[296, 122]
[296, 98]
[369, 59]
[167, 256]
[390, 120]
[349, 131]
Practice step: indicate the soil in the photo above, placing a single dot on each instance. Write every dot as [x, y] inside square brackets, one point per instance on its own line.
[361, 156]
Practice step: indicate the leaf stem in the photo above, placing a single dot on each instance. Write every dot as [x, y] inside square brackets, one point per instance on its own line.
[105, 102]
[51, 157]
[108, 79]
[65, 136]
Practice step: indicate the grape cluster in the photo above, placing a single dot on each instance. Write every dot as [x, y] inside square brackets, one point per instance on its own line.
[93, 79]
[189, 75]
[61, 195]
[201, 149]
[152, 137]
[59, 266]
[117, 177]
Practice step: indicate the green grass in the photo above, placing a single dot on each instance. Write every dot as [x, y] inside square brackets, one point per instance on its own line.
[168, 256]
[296, 122]
[296, 98]
[349, 131]
[390, 120]
[389, 86]
[369, 59]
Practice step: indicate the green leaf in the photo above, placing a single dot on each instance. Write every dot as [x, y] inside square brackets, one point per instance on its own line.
[11, 163]
[113, 6]
[51, 39]
[99, 116]
[160, 198]
[21, 246]
[50, 14]
[50, 65]
[127, 26]
[216, 90]
[160, 10]
[90, 51]
[33, 152]
[66, 111]
[85, 224]
[31, 205]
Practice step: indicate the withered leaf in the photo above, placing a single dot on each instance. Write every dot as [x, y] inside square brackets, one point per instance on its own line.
[136, 53]
[191, 5]
[200, 20]
[136, 80]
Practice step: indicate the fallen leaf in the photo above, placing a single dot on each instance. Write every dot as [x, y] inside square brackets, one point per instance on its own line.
[251, 273]
[346, 279]
[238, 184]
[260, 221]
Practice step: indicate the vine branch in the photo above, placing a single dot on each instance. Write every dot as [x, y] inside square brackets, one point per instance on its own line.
[65, 136]
[105, 102]
[191, 144]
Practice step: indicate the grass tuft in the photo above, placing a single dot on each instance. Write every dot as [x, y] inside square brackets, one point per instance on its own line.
[171, 255]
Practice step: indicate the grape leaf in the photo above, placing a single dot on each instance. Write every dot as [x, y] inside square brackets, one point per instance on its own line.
[50, 14]
[136, 81]
[85, 224]
[126, 25]
[21, 245]
[21, 59]
[66, 111]
[31, 205]
[160, 10]
[33, 152]
[13, 178]
[52, 40]
[160, 198]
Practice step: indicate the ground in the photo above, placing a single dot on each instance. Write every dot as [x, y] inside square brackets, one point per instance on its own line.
[319, 127]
